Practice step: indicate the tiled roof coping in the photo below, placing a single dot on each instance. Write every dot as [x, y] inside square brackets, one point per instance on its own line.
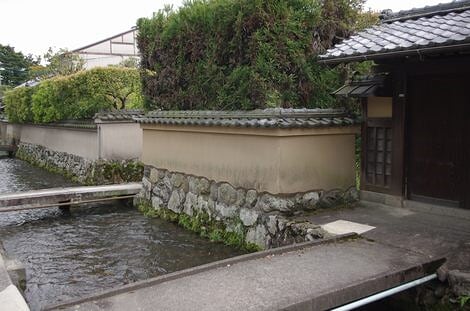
[268, 118]
[118, 115]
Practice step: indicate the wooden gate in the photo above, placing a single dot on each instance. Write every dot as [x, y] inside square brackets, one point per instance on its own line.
[437, 169]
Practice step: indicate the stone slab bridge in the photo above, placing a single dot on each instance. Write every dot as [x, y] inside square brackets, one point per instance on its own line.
[316, 275]
[65, 197]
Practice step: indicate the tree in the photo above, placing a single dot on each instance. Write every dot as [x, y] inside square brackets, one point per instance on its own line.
[130, 62]
[14, 66]
[62, 63]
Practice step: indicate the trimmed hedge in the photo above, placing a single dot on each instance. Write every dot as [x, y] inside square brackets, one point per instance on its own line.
[18, 104]
[242, 54]
[77, 96]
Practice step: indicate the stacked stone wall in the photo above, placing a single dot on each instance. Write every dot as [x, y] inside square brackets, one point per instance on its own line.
[261, 219]
[82, 170]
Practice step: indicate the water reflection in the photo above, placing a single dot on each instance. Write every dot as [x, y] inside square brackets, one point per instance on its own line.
[96, 247]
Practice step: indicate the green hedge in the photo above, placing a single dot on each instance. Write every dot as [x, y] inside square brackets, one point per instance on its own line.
[242, 54]
[18, 104]
[77, 96]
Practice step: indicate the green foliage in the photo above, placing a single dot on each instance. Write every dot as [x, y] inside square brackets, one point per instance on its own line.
[463, 300]
[14, 66]
[130, 62]
[243, 54]
[77, 96]
[115, 172]
[4, 89]
[62, 63]
[18, 104]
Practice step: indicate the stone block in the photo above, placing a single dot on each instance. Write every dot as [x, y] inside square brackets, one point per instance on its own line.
[240, 197]
[227, 194]
[250, 198]
[248, 216]
[190, 204]
[157, 203]
[310, 199]
[153, 176]
[258, 235]
[271, 223]
[175, 203]
[214, 188]
[269, 203]
[459, 282]
[177, 180]
[199, 185]
[225, 212]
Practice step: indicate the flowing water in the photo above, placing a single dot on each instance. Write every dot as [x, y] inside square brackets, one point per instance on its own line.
[93, 248]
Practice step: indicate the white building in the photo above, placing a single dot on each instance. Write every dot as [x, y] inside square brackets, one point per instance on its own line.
[110, 51]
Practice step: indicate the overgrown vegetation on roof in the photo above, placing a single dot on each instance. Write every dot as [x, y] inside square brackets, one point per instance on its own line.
[244, 54]
[77, 96]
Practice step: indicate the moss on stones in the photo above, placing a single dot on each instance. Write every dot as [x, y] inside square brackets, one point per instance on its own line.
[202, 224]
[79, 169]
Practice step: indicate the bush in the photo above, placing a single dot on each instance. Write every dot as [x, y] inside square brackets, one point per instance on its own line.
[77, 96]
[242, 54]
[18, 104]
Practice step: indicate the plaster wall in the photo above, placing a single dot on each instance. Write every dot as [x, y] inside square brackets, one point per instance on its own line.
[271, 160]
[77, 141]
[120, 141]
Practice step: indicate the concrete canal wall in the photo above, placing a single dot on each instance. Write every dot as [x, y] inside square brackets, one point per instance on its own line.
[248, 171]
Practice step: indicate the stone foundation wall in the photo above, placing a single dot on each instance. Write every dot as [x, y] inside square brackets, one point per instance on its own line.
[261, 219]
[80, 169]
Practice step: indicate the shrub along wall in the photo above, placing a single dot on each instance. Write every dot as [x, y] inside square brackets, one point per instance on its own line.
[77, 96]
[243, 54]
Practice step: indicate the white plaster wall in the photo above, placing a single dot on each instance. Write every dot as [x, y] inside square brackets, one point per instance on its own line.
[78, 141]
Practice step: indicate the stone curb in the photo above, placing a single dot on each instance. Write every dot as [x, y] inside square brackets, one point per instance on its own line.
[10, 297]
[12, 300]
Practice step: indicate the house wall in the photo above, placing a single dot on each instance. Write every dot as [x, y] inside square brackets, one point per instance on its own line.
[379, 107]
[272, 160]
[93, 60]
[120, 141]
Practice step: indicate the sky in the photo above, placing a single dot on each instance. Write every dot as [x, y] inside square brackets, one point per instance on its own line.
[32, 26]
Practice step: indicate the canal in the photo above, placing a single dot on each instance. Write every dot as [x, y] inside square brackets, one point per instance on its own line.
[93, 248]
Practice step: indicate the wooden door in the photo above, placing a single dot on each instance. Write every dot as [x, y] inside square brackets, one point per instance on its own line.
[437, 142]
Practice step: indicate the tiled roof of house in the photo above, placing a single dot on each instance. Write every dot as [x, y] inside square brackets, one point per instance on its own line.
[118, 115]
[268, 118]
[444, 26]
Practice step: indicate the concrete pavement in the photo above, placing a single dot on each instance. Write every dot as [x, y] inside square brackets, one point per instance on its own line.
[312, 276]
[430, 233]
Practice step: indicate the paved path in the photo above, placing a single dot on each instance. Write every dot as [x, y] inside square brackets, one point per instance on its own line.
[309, 277]
[71, 195]
[432, 235]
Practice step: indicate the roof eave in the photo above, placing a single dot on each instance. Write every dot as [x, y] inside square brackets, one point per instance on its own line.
[392, 54]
